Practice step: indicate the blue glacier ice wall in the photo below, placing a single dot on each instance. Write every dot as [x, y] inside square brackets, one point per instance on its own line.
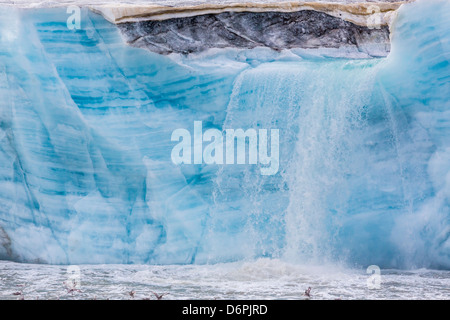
[86, 174]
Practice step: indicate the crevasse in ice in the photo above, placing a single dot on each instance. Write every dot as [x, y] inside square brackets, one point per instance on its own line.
[86, 174]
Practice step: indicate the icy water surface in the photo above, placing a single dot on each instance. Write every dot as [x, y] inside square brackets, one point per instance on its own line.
[260, 279]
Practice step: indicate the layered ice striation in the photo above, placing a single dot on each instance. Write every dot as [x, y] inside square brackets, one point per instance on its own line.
[306, 29]
[85, 146]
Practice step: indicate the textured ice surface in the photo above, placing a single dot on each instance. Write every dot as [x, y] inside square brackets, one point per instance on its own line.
[85, 169]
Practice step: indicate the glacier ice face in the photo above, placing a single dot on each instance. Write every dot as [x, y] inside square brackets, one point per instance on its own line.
[85, 168]
[60, 163]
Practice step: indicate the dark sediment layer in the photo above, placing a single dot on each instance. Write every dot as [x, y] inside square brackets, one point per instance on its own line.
[306, 29]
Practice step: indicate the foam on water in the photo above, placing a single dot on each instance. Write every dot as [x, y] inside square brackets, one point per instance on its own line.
[86, 174]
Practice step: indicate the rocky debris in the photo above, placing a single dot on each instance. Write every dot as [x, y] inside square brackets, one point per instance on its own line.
[306, 29]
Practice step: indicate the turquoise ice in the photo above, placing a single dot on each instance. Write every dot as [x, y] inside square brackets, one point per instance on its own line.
[86, 174]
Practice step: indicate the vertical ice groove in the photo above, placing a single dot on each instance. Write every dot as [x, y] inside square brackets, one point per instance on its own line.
[17, 40]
